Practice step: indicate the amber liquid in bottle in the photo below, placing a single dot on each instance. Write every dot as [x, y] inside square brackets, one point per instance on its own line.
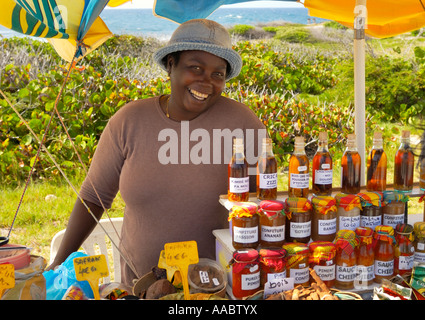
[298, 182]
[238, 185]
[322, 168]
[376, 179]
[404, 164]
[422, 174]
[351, 167]
[267, 172]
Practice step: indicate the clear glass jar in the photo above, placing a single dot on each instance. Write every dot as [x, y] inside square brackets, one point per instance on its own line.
[348, 212]
[419, 242]
[404, 250]
[384, 253]
[245, 273]
[245, 225]
[323, 222]
[365, 258]
[297, 264]
[272, 223]
[371, 213]
[272, 264]
[346, 259]
[394, 208]
[322, 260]
[298, 213]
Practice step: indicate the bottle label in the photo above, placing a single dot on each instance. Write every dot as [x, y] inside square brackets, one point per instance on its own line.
[327, 226]
[323, 177]
[245, 235]
[274, 276]
[345, 274]
[393, 219]
[299, 180]
[300, 275]
[349, 223]
[419, 256]
[405, 262]
[364, 274]
[300, 229]
[371, 222]
[325, 273]
[384, 268]
[239, 185]
[268, 180]
[250, 281]
[273, 234]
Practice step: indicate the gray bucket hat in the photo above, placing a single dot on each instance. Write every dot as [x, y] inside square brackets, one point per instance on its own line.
[205, 35]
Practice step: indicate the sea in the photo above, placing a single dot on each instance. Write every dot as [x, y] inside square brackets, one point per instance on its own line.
[142, 22]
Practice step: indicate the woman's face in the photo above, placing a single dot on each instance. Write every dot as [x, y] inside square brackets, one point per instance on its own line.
[197, 81]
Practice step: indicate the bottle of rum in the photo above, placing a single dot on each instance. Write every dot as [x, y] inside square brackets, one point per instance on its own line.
[238, 186]
[322, 168]
[351, 167]
[404, 164]
[267, 172]
[298, 182]
[376, 177]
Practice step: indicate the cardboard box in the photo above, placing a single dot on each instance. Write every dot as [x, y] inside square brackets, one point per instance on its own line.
[224, 254]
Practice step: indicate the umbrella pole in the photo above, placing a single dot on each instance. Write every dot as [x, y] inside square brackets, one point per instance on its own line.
[359, 82]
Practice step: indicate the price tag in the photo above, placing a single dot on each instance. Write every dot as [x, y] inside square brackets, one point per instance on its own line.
[7, 277]
[181, 255]
[91, 269]
[278, 285]
[162, 263]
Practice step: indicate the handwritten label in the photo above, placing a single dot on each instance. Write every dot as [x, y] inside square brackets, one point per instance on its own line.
[91, 269]
[7, 277]
[162, 263]
[278, 285]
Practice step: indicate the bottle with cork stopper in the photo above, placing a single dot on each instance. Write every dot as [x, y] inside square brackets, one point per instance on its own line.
[404, 164]
[267, 172]
[322, 168]
[351, 167]
[376, 179]
[238, 179]
[298, 182]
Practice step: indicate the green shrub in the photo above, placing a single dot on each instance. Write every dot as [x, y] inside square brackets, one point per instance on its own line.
[240, 29]
[293, 34]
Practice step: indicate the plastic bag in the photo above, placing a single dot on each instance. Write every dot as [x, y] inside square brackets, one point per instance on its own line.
[63, 277]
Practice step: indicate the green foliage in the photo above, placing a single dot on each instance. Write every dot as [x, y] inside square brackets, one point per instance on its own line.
[240, 29]
[293, 34]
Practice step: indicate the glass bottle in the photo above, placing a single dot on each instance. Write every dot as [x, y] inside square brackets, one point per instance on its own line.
[322, 260]
[323, 221]
[267, 172]
[322, 168]
[298, 182]
[351, 167]
[245, 273]
[422, 171]
[245, 225]
[346, 243]
[272, 264]
[238, 186]
[298, 214]
[272, 223]
[376, 179]
[419, 242]
[384, 253]
[348, 213]
[297, 264]
[365, 272]
[404, 250]
[403, 165]
[371, 213]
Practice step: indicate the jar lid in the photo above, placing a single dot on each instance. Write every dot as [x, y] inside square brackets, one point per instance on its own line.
[272, 253]
[246, 255]
[296, 248]
[384, 233]
[321, 251]
[324, 204]
[365, 234]
[346, 240]
[392, 195]
[295, 204]
[243, 209]
[404, 228]
[348, 201]
[372, 198]
[271, 207]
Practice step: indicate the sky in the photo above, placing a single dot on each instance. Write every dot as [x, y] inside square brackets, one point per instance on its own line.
[135, 4]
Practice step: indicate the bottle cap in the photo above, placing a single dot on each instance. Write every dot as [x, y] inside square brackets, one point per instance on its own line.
[323, 136]
[377, 135]
[405, 134]
[299, 140]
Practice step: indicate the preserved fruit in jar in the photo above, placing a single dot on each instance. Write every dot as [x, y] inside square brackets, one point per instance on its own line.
[419, 242]
[376, 179]
[322, 260]
[298, 225]
[272, 223]
[323, 222]
[299, 178]
[371, 213]
[272, 264]
[245, 273]
[297, 263]
[384, 253]
[245, 225]
[351, 167]
[404, 165]
[238, 178]
[346, 259]
[322, 168]
[348, 212]
[394, 208]
[404, 250]
[365, 258]
[267, 172]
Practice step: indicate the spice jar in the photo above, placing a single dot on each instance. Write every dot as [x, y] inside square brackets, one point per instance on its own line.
[348, 211]
[323, 222]
[365, 258]
[298, 213]
[272, 264]
[371, 213]
[245, 273]
[404, 250]
[384, 252]
[419, 242]
[346, 259]
[394, 207]
[297, 266]
[322, 260]
[245, 225]
[272, 223]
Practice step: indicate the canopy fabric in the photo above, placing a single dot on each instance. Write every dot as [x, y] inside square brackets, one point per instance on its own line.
[64, 23]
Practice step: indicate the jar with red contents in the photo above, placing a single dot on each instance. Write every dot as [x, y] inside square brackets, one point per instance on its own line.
[297, 266]
[245, 273]
[272, 264]
[404, 250]
[272, 223]
[244, 225]
[346, 259]
[322, 260]
[384, 253]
